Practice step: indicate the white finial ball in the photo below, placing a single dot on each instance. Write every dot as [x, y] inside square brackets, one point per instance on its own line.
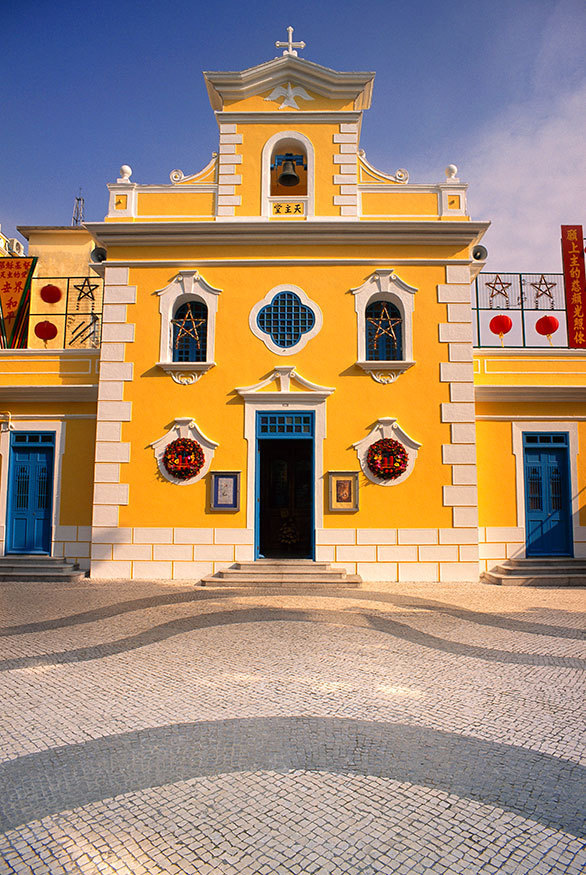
[451, 171]
[126, 172]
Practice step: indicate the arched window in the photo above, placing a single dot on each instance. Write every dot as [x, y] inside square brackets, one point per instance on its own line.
[190, 330]
[287, 176]
[384, 332]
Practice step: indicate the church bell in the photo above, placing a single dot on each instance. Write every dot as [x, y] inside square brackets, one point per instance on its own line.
[288, 176]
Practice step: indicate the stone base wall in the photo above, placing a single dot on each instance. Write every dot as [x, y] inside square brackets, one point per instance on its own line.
[497, 543]
[375, 554]
[73, 544]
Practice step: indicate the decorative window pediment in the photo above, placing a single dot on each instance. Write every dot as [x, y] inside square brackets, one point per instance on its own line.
[384, 310]
[277, 387]
[285, 320]
[386, 431]
[184, 428]
[188, 307]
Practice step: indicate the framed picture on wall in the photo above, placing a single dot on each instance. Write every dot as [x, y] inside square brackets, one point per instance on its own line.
[343, 490]
[225, 491]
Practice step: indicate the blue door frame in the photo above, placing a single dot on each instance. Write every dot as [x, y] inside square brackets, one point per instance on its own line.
[280, 425]
[548, 509]
[30, 492]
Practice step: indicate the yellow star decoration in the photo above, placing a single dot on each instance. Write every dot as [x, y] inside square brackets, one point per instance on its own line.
[498, 287]
[543, 287]
[187, 327]
[381, 329]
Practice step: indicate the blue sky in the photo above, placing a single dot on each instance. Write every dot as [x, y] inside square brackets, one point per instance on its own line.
[498, 88]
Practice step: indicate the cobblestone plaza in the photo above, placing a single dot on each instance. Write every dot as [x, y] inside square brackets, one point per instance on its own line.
[412, 728]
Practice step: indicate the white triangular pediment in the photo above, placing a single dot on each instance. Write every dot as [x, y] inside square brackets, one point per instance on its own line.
[284, 381]
[333, 84]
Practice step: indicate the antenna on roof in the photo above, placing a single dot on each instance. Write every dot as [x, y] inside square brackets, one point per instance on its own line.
[78, 209]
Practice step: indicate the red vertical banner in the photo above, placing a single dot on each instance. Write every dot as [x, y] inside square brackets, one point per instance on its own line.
[575, 284]
[15, 281]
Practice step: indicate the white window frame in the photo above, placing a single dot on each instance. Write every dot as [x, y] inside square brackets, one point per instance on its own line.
[307, 147]
[188, 285]
[385, 285]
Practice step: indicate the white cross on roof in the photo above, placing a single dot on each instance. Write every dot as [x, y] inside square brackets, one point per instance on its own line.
[290, 46]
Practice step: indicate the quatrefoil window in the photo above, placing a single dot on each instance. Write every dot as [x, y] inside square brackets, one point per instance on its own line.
[285, 319]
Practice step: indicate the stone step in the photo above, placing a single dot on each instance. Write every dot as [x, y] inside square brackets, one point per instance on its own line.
[544, 562]
[282, 572]
[31, 559]
[556, 580]
[538, 571]
[23, 568]
[253, 580]
[39, 577]
[54, 567]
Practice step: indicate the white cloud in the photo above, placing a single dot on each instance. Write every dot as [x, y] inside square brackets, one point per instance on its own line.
[526, 174]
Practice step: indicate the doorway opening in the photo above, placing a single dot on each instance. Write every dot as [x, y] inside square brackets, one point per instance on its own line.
[285, 486]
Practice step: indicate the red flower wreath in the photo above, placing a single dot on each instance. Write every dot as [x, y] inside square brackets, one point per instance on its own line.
[387, 459]
[183, 458]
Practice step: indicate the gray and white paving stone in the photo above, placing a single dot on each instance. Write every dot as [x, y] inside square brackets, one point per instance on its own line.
[394, 728]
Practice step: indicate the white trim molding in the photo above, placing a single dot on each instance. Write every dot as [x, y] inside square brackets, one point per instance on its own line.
[385, 285]
[268, 148]
[311, 397]
[188, 285]
[266, 338]
[386, 427]
[518, 429]
[184, 427]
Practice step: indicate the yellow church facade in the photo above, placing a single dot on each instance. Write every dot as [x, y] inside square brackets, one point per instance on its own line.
[278, 357]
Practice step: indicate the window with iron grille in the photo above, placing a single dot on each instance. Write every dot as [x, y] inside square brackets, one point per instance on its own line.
[285, 424]
[286, 319]
[190, 328]
[384, 332]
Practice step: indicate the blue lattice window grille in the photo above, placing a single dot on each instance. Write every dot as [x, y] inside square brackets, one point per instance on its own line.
[286, 319]
[384, 332]
[190, 329]
[285, 425]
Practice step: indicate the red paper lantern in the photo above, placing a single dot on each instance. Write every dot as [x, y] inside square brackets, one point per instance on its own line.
[546, 326]
[501, 325]
[51, 294]
[46, 330]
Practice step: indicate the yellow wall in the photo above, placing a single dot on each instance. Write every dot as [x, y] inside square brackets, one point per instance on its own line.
[394, 204]
[328, 359]
[62, 252]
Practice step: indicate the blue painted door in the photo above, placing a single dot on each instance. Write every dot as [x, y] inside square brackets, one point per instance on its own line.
[548, 518]
[30, 493]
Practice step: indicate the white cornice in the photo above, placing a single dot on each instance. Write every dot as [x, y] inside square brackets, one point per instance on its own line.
[516, 394]
[174, 187]
[33, 354]
[290, 118]
[404, 188]
[64, 392]
[520, 352]
[400, 233]
[333, 84]
[231, 261]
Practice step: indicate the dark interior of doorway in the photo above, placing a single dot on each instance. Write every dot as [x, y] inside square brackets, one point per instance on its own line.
[286, 499]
